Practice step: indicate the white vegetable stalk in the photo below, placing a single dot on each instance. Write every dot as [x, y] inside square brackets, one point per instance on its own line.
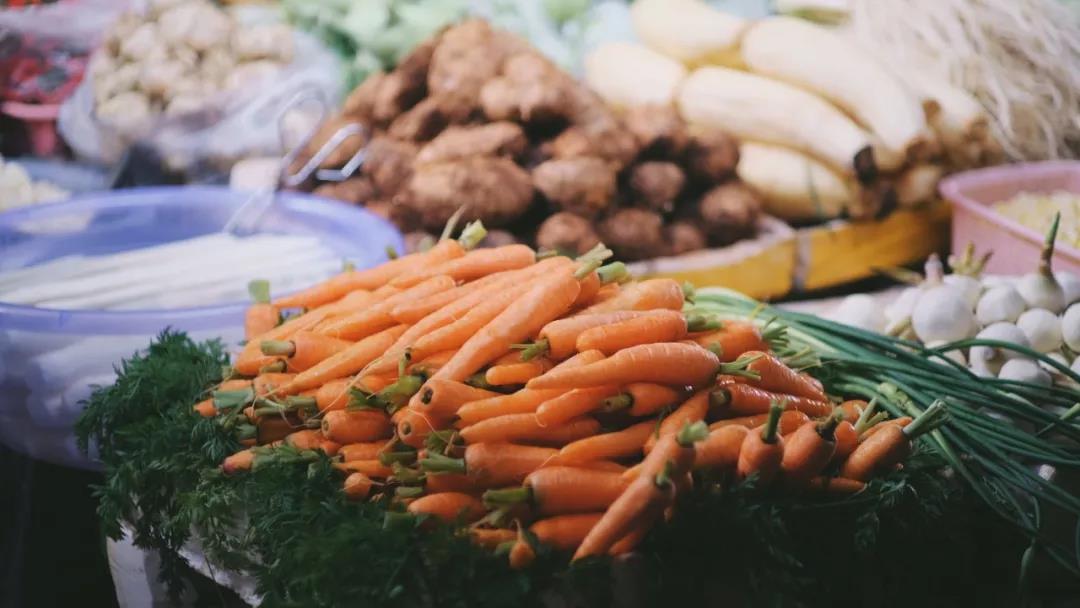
[942, 313]
[1040, 289]
[793, 186]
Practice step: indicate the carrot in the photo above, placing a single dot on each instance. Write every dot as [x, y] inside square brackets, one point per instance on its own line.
[371, 468]
[559, 338]
[415, 310]
[901, 422]
[733, 339]
[692, 410]
[648, 328]
[559, 490]
[720, 450]
[357, 486]
[652, 294]
[442, 398]
[449, 482]
[491, 538]
[618, 444]
[549, 298]
[305, 439]
[745, 400]
[774, 376]
[265, 384]
[473, 265]
[457, 332]
[448, 507]
[790, 421]
[376, 318]
[344, 363]
[835, 486]
[414, 425]
[431, 364]
[239, 461]
[334, 395]
[205, 408]
[261, 316]
[847, 439]
[762, 450]
[572, 404]
[642, 399]
[523, 427]
[355, 427]
[664, 363]
[852, 409]
[372, 278]
[518, 372]
[636, 506]
[304, 350]
[890, 445]
[632, 539]
[808, 450]
[563, 434]
[562, 532]
[368, 450]
[492, 464]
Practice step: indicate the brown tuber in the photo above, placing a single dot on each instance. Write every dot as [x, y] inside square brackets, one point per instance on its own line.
[357, 189]
[567, 233]
[420, 123]
[467, 56]
[634, 234]
[497, 190]
[388, 163]
[585, 186]
[729, 212]
[498, 238]
[683, 237]
[711, 156]
[492, 139]
[656, 185]
[360, 104]
[659, 130]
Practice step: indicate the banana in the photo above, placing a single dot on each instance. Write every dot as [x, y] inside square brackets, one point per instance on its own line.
[793, 186]
[627, 75]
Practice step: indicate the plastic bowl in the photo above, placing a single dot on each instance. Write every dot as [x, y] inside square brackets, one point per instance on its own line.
[49, 359]
[1016, 247]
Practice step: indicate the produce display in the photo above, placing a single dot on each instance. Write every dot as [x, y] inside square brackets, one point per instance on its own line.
[538, 407]
[178, 58]
[1037, 210]
[826, 130]
[18, 189]
[476, 115]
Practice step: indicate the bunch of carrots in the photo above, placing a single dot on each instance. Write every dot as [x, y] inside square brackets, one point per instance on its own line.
[537, 398]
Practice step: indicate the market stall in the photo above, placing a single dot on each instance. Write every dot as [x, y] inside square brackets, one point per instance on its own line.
[430, 302]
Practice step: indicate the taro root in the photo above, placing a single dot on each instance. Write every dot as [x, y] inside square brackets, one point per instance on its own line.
[729, 212]
[634, 234]
[492, 139]
[468, 55]
[683, 237]
[585, 186]
[396, 93]
[567, 233]
[422, 122]
[356, 189]
[659, 130]
[711, 156]
[360, 104]
[388, 163]
[497, 191]
[656, 184]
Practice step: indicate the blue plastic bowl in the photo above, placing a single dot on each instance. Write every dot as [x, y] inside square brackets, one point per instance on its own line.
[38, 405]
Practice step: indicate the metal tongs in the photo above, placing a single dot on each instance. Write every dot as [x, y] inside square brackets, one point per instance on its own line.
[246, 217]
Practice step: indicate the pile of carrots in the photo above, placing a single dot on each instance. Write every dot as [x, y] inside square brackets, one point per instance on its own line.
[537, 398]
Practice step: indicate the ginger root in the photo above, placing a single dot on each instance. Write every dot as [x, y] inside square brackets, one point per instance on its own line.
[656, 185]
[567, 233]
[585, 186]
[498, 191]
[388, 164]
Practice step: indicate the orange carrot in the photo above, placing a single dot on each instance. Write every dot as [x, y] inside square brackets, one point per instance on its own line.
[835, 486]
[523, 427]
[454, 334]
[762, 450]
[777, 377]
[645, 496]
[590, 286]
[205, 408]
[449, 482]
[572, 404]
[652, 294]
[852, 409]
[491, 538]
[372, 278]
[790, 421]
[357, 486]
[334, 395]
[373, 319]
[518, 372]
[474, 265]
[562, 532]
[664, 363]
[265, 384]
[305, 439]
[355, 427]
[619, 444]
[733, 339]
[442, 398]
[559, 490]
[492, 464]
[649, 328]
[362, 451]
[744, 400]
[371, 468]
[448, 507]
[561, 335]
[890, 445]
[847, 439]
[642, 399]
[808, 450]
[720, 450]
[901, 422]
[240, 461]
[431, 364]
[346, 362]
[563, 434]
[692, 410]
[261, 316]
[415, 310]
[304, 350]
[632, 539]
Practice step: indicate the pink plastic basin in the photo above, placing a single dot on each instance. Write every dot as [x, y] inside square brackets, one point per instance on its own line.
[1016, 247]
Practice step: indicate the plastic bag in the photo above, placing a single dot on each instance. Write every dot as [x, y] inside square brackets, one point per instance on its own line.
[230, 128]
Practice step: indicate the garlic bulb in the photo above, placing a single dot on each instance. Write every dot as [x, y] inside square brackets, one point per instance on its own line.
[1042, 328]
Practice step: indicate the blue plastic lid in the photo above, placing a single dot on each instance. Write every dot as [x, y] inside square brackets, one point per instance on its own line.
[115, 221]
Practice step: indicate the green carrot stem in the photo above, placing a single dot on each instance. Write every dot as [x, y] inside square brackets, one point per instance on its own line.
[403, 474]
[259, 290]
[247, 431]
[273, 368]
[301, 402]
[689, 291]
[618, 403]
[719, 398]
[738, 367]
[613, 272]
[391, 253]
[544, 254]
[871, 422]
[347, 266]
[933, 417]
[398, 393]
[696, 322]
[437, 463]
[277, 348]
[438, 442]
[587, 268]
[479, 380]
[224, 400]
[663, 478]
[776, 408]
[508, 496]
[827, 428]
[399, 457]
[408, 491]
[863, 422]
[472, 235]
[451, 224]
[534, 350]
[691, 433]
[1046, 258]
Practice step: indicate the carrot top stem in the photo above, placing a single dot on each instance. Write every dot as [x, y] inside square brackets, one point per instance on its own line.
[398, 456]
[738, 368]
[391, 253]
[229, 399]
[827, 427]
[618, 403]
[273, 368]
[768, 434]
[534, 350]
[246, 431]
[700, 322]
[301, 402]
[259, 290]
[472, 235]
[689, 291]
[403, 474]
[871, 422]
[544, 254]
[451, 224]
[437, 463]
[933, 417]
[615, 272]
[277, 348]
[508, 496]
[408, 491]
[866, 416]
[592, 260]
[663, 478]
[692, 433]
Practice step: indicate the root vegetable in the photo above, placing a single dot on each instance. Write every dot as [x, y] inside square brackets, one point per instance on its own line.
[585, 186]
[659, 130]
[942, 314]
[862, 311]
[729, 212]
[792, 185]
[999, 303]
[688, 30]
[969, 287]
[1070, 327]
[711, 155]
[918, 184]
[1070, 284]
[388, 164]
[1024, 370]
[397, 92]
[498, 238]
[633, 234]
[360, 104]
[498, 191]
[493, 139]
[567, 232]
[656, 185]
[627, 75]
[420, 123]
[993, 357]
[684, 237]
[1041, 289]
[1042, 328]
[609, 141]
[467, 56]
[353, 190]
